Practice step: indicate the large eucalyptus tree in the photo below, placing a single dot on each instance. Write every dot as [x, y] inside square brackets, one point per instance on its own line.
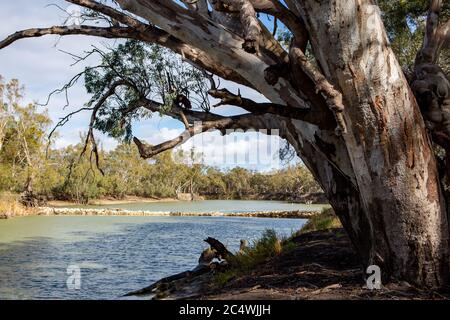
[337, 94]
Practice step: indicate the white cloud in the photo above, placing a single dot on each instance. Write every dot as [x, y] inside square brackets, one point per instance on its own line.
[251, 150]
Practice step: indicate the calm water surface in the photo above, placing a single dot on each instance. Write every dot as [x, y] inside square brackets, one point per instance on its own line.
[116, 254]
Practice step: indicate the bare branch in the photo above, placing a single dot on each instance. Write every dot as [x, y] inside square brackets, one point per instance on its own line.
[237, 122]
[61, 123]
[111, 12]
[111, 32]
[184, 119]
[90, 135]
[307, 115]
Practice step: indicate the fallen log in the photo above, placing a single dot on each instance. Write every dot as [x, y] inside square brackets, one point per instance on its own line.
[205, 265]
[165, 282]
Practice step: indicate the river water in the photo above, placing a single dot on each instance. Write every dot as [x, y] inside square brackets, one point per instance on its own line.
[118, 254]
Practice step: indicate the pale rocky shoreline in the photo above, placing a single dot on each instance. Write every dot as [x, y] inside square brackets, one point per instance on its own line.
[53, 211]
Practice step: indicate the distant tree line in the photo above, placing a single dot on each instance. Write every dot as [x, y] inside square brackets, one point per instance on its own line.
[29, 164]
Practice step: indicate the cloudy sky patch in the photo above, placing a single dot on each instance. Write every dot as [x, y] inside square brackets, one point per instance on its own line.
[42, 66]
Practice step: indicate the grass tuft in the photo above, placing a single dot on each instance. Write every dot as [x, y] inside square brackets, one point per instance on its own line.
[326, 220]
[268, 246]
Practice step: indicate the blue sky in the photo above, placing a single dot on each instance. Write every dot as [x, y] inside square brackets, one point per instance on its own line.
[42, 66]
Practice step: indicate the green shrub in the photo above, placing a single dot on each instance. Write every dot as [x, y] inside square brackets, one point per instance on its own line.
[268, 246]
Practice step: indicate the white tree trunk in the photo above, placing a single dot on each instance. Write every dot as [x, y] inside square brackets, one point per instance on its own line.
[394, 209]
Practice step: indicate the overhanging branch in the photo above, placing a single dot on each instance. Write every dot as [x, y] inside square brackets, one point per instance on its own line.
[111, 32]
[90, 135]
[307, 115]
[244, 122]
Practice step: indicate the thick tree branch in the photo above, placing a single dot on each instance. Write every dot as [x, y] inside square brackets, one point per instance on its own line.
[250, 23]
[150, 35]
[311, 116]
[224, 124]
[289, 18]
[111, 32]
[227, 98]
[218, 42]
[175, 112]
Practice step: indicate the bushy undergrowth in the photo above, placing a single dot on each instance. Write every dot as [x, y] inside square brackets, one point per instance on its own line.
[271, 245]
[10, 206]
[268, 246]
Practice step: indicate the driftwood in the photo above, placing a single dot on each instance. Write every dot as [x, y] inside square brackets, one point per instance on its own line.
[205, 265]
[218, 246]
[165, 282]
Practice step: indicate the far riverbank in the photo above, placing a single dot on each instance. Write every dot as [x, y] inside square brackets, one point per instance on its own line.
[111, 201]
[171, 207]
[55, 211]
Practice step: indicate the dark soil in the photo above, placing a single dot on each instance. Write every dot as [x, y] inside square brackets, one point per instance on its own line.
[321, 266]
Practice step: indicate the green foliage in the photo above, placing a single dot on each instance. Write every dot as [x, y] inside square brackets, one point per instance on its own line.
[222, 278]
[145, 71]
[405, 24]
[22, 139]
[64, 175]
[240, 183]
[268, 246]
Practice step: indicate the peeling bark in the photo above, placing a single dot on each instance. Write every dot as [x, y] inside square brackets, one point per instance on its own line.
[400, 213]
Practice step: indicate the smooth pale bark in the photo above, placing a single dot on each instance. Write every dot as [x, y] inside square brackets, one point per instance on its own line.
[381, 176]
[398, 217]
